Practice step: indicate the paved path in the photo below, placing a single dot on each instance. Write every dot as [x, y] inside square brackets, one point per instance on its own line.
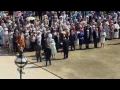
[8, 70]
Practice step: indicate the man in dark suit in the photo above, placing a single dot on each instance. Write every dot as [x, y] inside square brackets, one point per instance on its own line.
[95, 37]
[38, 52]
[87, 33]
[48, 54]
[72, 39]
[56, 41]
[65, 47]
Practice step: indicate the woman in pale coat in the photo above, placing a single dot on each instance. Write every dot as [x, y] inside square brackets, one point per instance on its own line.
[53, 48]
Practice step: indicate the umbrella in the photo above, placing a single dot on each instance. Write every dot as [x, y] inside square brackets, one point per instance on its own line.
[30, 18]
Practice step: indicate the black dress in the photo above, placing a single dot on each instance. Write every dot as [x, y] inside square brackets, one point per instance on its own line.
[65, 48]
[72, 39]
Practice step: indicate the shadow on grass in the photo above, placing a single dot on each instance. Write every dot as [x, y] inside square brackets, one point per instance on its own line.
[86, 48]
[55, 59]
[31, 56]
[114, 44]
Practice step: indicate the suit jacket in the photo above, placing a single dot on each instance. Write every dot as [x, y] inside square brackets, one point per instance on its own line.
[87, 33]
[72, 37]
[96, 36]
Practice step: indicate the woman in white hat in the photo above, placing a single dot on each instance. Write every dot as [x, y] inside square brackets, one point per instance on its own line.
[53, 48]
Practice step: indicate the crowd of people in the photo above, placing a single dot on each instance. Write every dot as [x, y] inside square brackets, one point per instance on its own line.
[52, 31]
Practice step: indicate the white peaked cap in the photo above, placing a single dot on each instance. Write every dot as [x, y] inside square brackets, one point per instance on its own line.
[6, 29]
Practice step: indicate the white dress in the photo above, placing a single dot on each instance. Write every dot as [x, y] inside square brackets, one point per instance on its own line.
[53, 47]
[102, 37]
[116, 33]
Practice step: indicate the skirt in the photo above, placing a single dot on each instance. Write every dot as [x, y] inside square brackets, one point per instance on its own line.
[53, 49]
[116, 35]
[102, 39]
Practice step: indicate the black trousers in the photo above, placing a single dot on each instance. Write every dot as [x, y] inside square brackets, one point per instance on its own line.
[65, 54]
[87, 43]
[48, 59]
[80, 43]
[38, 56]
[72, 45]
[32, 46]
[95, 43]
